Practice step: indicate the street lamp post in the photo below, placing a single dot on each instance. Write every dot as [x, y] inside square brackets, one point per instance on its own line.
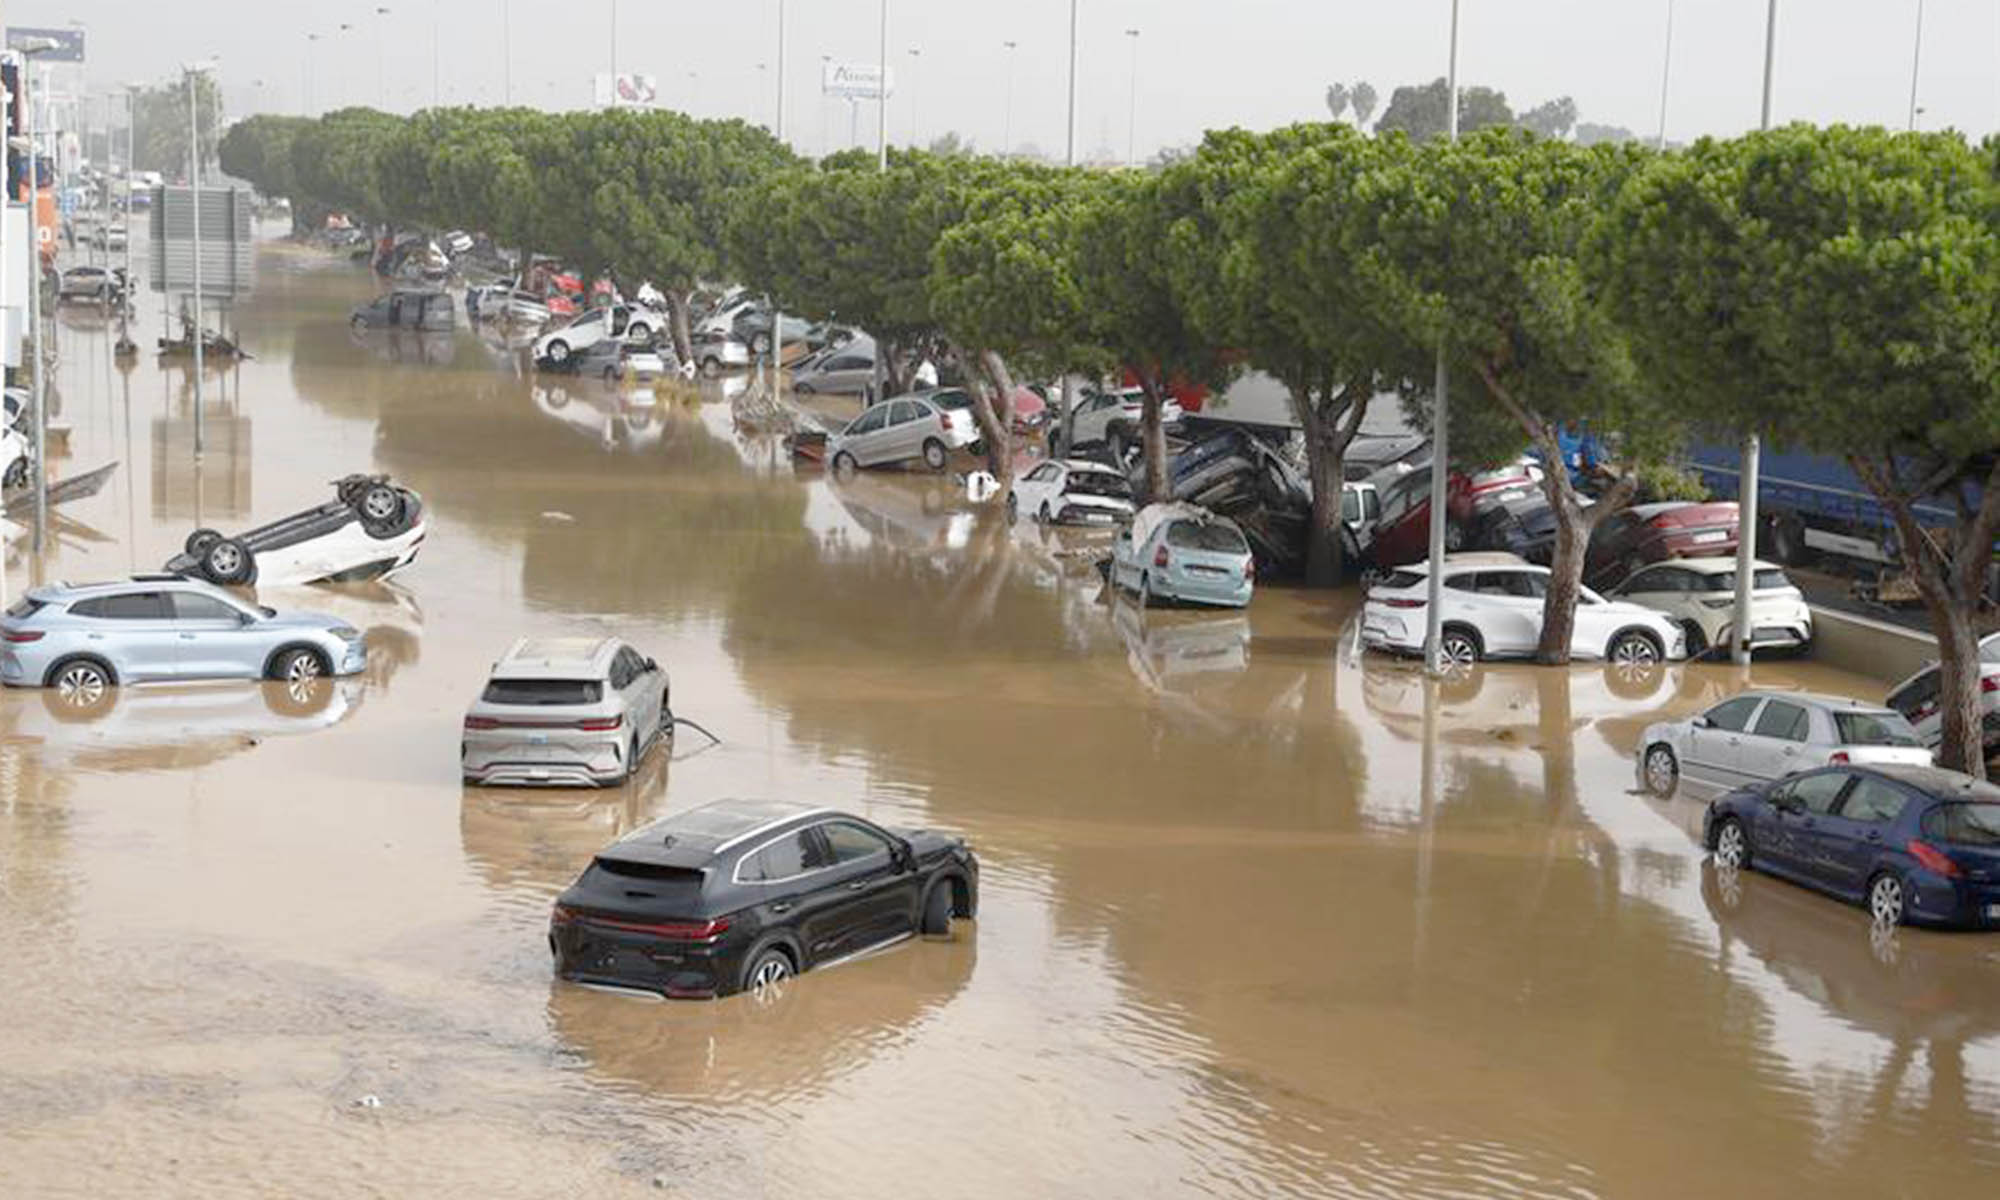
[1007, 120]
[1666, 75]
[916, 121]
[1916, 60]
[1441, 434]
[1742, 627]
[882, 101]
[614, 53]
[1069, 151]
[436, 73]
[29, 48]
[306, 89]
[1132, 106]
[191, 72]
[381, 53]
[506, 52]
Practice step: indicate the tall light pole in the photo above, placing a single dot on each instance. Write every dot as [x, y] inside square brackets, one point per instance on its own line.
[882, 99]
[29, 48]
[916, 114]
[306, 84]
[436, 75]
[1441, 434]
[1132, 106]
[614, 54]
[1916, 60]
[1742, 627]
[191, 72]
[1069, 151]
[1007, 121]
[1666, 75]
[778, 131]
[381, 53]
[506, 52]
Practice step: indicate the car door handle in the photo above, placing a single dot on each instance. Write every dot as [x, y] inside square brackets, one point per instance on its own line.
[1874, 835]
[782, 906]
[187, 637]
[1736, 741]
[857, 885]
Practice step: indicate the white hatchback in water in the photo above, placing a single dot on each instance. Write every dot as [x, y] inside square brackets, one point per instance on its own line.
[1760, 736]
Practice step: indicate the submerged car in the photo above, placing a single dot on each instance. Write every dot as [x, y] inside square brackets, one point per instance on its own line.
[922, 425]
[370, 530]
[565, 712]
[84, 639]
[741, 895]
[1760, 736]
[1912, 844]
[92, 285]
[1700, 593]
[1072, 490]
[845, 368]
[1183, 552]
[622, 321]
[406, 308]
[716, 351]
[1492, 608]
[613, 360]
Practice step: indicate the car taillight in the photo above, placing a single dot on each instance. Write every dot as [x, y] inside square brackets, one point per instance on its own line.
[1838, 757]
[1660, 523]
[1933, 859]
[600, 724]
[1249, 568]
[563, 915]
[22, 635]
[481, 723]
[944, 421]
[1403, 602]
[680, 931]
[1160, 557]
[1987, 683]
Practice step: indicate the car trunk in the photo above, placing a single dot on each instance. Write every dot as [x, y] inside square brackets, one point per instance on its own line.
[1696, 528]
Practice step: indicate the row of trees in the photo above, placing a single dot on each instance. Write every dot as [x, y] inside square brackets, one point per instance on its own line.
[1422, 111]
[1833, 289]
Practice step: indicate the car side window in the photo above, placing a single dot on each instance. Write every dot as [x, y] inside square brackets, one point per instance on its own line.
[785, 858]
[128, 606]
[1818, 792]
[193, 606]
[1917, 695]
[870, 421]
[1781, 720]
[1874, 801]
[1043, 473]
[1733, 715]
[905, 411]
[850, 843]
[1646, 582]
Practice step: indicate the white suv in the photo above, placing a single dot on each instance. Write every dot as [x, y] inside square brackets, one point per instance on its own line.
[636, 325]
[1700, 593]
[1917, 698]
[1113, 417]
[1493, 609]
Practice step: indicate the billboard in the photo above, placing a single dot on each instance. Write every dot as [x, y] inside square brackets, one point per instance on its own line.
[226, 267]
[856, 81]
[625, 91]
[69, 43]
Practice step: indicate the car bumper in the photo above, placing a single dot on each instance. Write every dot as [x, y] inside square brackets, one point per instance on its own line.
[1958, 903]
[519, 761]
[1385, 631]
[1205, 589]
[596, 957]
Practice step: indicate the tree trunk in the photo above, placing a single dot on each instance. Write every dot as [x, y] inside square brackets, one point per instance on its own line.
[986, 375]
[1328, 431]
[683, 340]
[1153, 436]
[1565, 579]
[1962, 746]
[894, 381]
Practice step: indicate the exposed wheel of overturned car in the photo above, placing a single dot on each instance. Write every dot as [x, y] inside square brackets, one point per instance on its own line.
[199, 541]
[381, 510]
[228, 562]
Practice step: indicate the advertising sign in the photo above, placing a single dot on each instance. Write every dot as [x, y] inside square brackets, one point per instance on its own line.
[856, 81]
[68, 48]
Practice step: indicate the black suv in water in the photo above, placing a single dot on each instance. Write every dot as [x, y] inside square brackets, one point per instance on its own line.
[742, 894]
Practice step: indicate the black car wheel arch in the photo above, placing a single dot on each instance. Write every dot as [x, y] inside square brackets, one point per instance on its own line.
[781, 943]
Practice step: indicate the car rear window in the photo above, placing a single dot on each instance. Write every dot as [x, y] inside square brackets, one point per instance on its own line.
[543, 691]
[1766, 579]
[653, 883]
[1206, 535]
[24, 607]
[952, 399]
[1401, 579]
[1966, 824]
[1099, 483]
[1874, 729]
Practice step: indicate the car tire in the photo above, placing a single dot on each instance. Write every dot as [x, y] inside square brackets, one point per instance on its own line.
[844, 465]
[357, 323]
[1454, 537]
[1886, 900]
[936, 457]
[199, 541]
[228, 562]
[558, 352]
[1460, 647]
[639, 332]
[82, 687]
[1045, 516]
[802, 389]
[17, 474]
[376, 504]
[1013, 508]
[1732, 845]
[1662, 771]
[937, 910]
[298, 664]
[760, 343]
[768, 968]
[1634, 648]
[711, 367]
[1697, 640]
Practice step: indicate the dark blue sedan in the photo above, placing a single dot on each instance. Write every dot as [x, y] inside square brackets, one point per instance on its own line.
[1915, 844]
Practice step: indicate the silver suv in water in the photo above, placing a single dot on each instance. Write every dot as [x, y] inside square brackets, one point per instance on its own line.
[84, 639]
[565, 712]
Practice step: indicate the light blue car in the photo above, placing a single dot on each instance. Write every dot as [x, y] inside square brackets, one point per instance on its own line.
[83, 640]
[1182, 552]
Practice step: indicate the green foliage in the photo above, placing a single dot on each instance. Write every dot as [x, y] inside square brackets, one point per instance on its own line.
[1422, 111]
[335, 161]
[1665, 481]
[160, 124]
[259, 150]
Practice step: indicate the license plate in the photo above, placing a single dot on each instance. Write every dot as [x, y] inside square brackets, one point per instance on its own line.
[1713, 535]
[1993, 912]
[538, 739]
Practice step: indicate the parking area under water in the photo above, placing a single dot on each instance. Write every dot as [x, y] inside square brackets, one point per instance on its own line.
[1261, 915]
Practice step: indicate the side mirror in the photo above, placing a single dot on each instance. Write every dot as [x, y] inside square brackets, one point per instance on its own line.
[906, 858]
[1700, 722]
[651, 665]
[246, 618]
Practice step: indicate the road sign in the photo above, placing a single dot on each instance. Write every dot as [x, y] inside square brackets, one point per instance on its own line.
[68, 48]
[856, 81]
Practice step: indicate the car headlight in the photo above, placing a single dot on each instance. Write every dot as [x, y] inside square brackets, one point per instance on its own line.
[346, 633]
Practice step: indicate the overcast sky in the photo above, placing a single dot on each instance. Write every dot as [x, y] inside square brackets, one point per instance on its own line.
[1202, 63]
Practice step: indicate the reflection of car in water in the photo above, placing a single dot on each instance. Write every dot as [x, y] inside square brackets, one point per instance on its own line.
[614, 419]
[1163, 648]
[740, 895]
[426, 348]
[369, 530]
[177, 724]
[915, 512]
[534, 838]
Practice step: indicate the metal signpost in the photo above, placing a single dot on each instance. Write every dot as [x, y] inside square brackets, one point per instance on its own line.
[1441, 435]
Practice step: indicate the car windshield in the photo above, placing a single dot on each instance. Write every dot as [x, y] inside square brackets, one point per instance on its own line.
[1966, 824]
[953, 399]
[1206, 535]
[1099, 483]
[1767, 579]
[1874, 729]
[543, 691]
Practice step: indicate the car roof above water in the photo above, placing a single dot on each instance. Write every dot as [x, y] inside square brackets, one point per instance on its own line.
[63, 590]
[1822, 699]
[556, 658]
[1938, 781]
[694, 836]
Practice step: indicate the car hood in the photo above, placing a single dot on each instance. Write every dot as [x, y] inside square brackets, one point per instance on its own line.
[316, 621]
[927, 842]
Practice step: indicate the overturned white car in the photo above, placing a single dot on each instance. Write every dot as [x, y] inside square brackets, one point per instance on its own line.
[370, 530]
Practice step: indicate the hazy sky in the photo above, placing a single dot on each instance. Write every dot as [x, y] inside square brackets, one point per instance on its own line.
[1202, 63]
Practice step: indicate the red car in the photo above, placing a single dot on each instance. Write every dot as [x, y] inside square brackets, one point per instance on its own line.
[1650, 533]
[1465, 495]
[1403, 531]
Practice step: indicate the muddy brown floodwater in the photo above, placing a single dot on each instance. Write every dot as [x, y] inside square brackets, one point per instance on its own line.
[1259, 919]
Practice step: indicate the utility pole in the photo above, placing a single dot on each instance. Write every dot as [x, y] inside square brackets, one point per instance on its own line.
[1132, 106]
[1441, 435]
[194, 189]
[1916, 59]
[1742, 623]
[1007, 121]
[1666, 75]
[506, 52]
[28, 49]
[882, 98]
[381, 52]
[1069, 153]
[916, 115]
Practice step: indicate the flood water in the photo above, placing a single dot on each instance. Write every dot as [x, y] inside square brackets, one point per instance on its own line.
[1260, 917]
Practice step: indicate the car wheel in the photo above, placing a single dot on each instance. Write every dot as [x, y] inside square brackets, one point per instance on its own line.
[844, 465]
[934, 455]
[760, 343]
[17, 474]
[1633, 649]
[227, 562]
[378, 504]
[1045, 516]
[1013, 508]
[1885, 899]
[82, 687]
[558, 352]
[299, 665]
[357, 323]
[1663, 770]
[937, 910]
[802, 389]
[199, 541]
[711, 367]
[1458, 650]
[1697, 640]
[768, 972]
[1454, 537]
[1732, 845]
